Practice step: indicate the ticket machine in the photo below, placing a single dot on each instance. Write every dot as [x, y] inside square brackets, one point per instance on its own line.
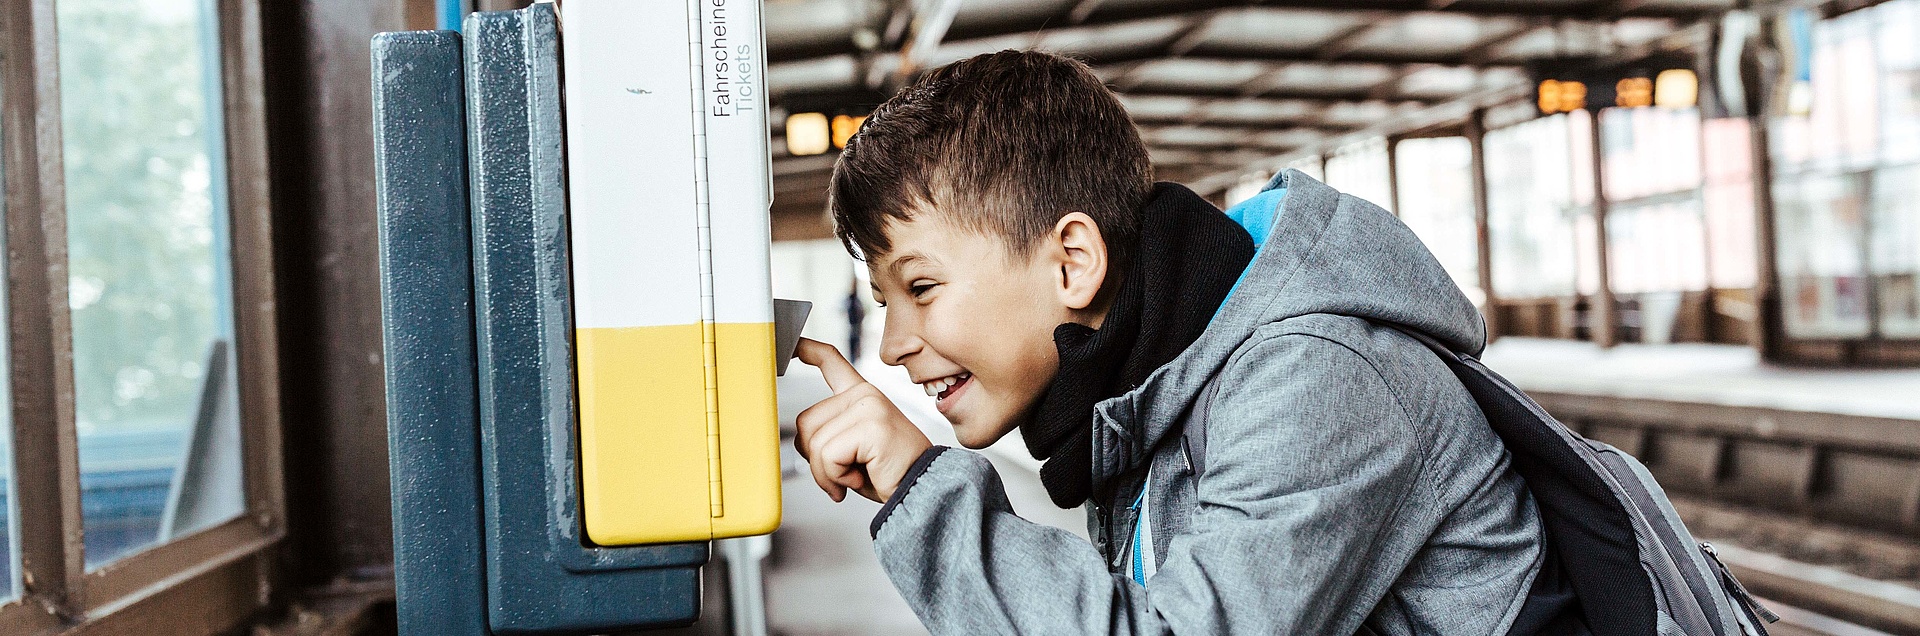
[581, 341]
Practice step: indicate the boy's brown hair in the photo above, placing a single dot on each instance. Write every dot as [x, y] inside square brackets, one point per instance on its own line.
[1002, 143]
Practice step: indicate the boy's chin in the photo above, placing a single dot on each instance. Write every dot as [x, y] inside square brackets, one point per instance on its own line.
[979, 435]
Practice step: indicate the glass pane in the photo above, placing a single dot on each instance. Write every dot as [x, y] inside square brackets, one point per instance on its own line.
[9, 557]
[1530, 220]
[1900, 80]
[1440, 171]
[1650, 151]
[154, 393]
[1728, 197]
[1842, 123]
[1896, 250]
[1656, 231]
[1361, 170]
[1656, 247]
[1821, 230]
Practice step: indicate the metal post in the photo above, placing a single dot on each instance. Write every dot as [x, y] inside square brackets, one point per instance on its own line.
[1483, 242]
[746, 582]
[1606, 317]
[1769, 333]
[1393, 175]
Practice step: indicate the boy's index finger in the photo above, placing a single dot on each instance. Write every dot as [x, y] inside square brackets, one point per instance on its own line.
[834, 367]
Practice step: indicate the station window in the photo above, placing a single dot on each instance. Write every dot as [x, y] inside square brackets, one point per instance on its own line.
[1656, 231]
[141, 421]
[1846, 154]
[1532, 208]
[149, 286]
[1435, 182]
[1360, 169]
[1727, 196]
[1655, 226]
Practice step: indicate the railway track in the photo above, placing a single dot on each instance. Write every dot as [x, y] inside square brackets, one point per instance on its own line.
[1819, 512]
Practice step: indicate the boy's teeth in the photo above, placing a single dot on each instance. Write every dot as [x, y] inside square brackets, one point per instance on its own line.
[937, 386]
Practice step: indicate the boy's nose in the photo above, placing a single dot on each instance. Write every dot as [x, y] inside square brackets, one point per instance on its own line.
[897, 343]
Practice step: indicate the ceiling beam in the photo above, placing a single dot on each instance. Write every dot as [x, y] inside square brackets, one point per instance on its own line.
[1235, 91]
[1189, 36]
[1096, 13]
[790, 166]
[1437, 114]
[1480, 55]
[1102, 14]
[1148, 54]
[1182, 42]
[1390, 86]
[1241, 133]
[1348, 39]
[832, 100]
[1483, 52]
[1245, 128]
[1082, 10]
[1247, 152]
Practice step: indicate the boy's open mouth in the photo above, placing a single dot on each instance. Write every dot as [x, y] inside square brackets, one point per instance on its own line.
[943, 388]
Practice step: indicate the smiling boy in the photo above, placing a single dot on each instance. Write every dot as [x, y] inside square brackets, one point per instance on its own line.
[1258, 449]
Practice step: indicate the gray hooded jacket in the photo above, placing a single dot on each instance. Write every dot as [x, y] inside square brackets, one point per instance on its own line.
[1306, 470]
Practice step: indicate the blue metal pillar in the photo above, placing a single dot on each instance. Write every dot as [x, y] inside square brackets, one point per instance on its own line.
[543, 576]
[427, 297]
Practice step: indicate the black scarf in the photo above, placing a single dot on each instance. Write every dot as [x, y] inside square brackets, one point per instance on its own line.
[1189, 256]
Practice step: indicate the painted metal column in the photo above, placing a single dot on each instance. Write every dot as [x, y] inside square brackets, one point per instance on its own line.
[1476, 132]
[1605, 314]
[1769, 328]
[1393, 175]
[420, 168]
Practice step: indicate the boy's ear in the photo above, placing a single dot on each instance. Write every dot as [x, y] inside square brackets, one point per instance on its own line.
[1081, 260]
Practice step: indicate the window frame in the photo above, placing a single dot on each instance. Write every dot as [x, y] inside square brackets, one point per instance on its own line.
[202, 582]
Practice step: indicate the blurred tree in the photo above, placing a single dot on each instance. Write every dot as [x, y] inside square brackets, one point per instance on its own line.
[140, 205]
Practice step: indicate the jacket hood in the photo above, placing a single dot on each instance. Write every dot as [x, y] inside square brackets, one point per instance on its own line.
[1322, 252]
[1330, 253]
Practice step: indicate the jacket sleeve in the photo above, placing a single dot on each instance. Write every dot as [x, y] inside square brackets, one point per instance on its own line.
[1304, 520]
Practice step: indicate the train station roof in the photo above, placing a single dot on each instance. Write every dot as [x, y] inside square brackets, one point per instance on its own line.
[1217, 86]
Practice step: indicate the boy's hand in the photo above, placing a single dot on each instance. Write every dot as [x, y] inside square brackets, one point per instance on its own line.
[856, 440]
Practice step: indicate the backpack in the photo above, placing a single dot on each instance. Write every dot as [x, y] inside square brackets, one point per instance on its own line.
[1618, 560]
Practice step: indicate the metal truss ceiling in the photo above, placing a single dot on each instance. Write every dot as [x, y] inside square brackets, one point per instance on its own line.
[1215, 85]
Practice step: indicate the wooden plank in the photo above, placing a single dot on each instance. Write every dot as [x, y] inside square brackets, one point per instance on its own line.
[39, 333]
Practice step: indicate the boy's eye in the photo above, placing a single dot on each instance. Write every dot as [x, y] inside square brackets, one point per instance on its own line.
[920, 289]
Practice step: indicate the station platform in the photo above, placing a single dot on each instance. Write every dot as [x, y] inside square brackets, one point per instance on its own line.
[1708, 374]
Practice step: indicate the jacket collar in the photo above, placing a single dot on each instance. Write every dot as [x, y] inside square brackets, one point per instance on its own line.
[1127, 428]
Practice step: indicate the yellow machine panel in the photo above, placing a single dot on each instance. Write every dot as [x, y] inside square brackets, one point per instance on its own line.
[669, 185]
